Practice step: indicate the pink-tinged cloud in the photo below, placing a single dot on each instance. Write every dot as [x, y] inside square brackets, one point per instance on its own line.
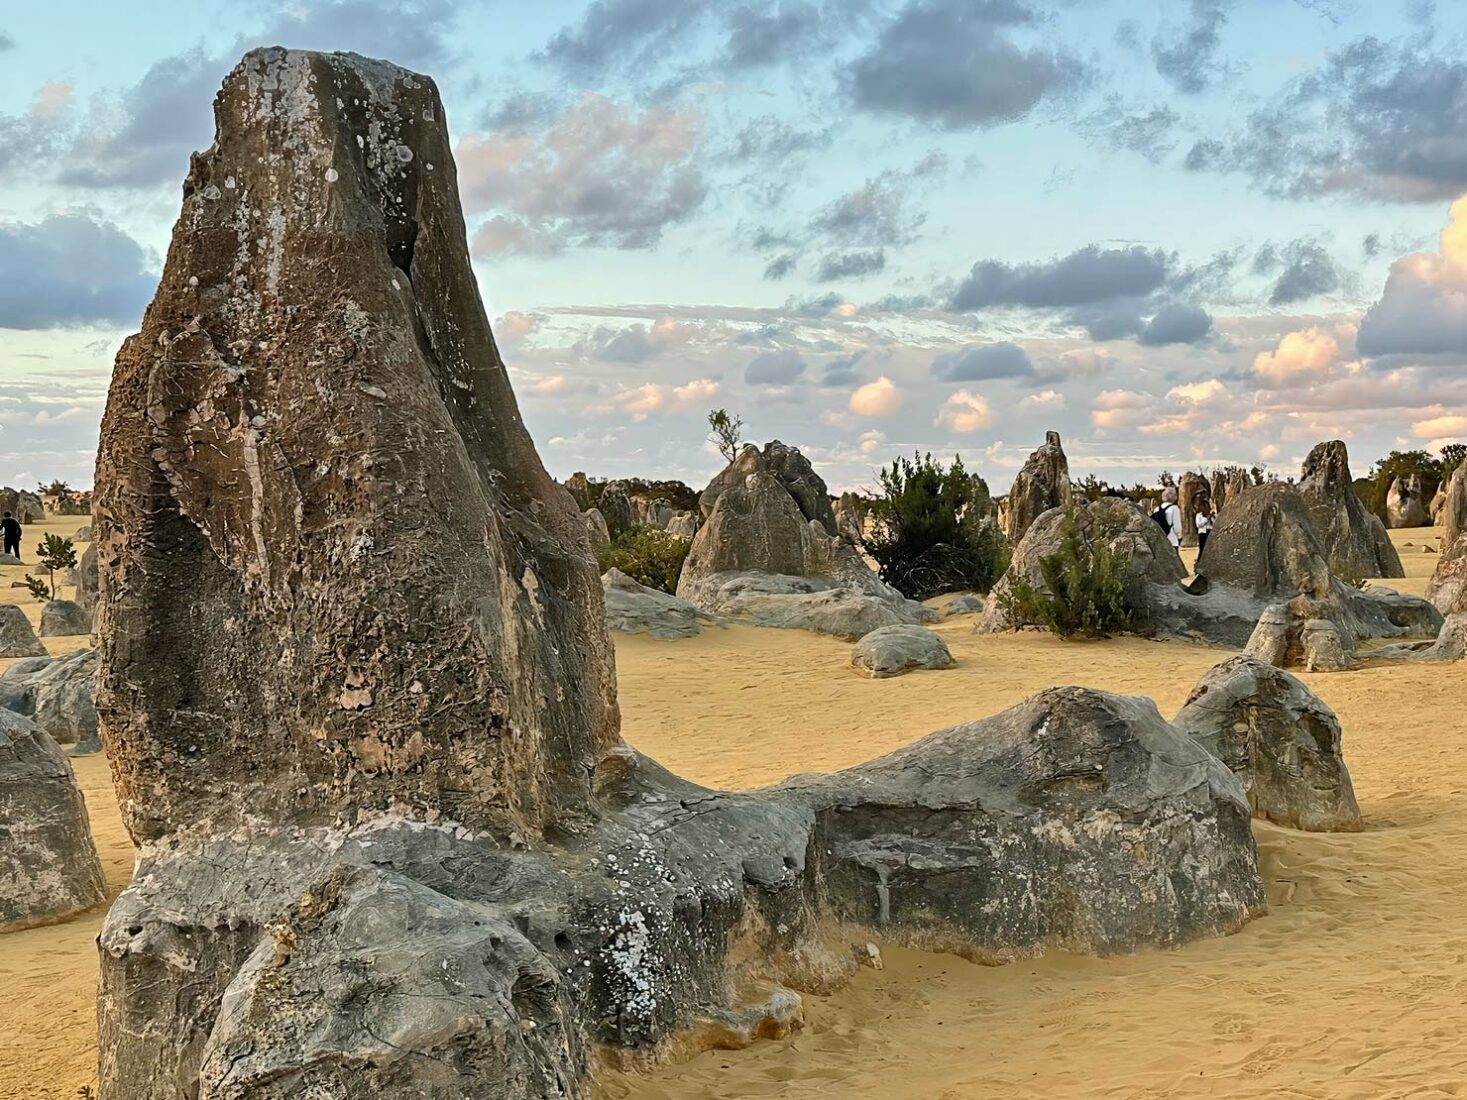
[1423, 310]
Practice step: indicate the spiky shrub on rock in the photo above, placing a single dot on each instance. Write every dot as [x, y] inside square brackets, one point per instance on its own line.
[1086, 590]
[648, 555]
[931, 529]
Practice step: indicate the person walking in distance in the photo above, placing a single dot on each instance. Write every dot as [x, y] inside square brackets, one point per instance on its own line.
[11, 529]
[1170, 516]
[1204, 526]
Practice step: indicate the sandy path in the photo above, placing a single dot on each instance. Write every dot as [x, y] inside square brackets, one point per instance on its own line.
[1354, 985]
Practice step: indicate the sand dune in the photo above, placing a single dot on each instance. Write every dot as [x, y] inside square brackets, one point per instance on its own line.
[1354, 985]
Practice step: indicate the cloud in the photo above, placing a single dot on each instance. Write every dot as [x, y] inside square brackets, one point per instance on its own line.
[851, 265]
[842, 371]
[1186, 59]
[879, 398]
[775, 368]
[963, 411]
[1423, 310]
[1044, 399]
[1376, 119]
[956, 64]
[1121, 408]
[1087, 275]
[1148, 134]
[1301, 357]
[876, 214]
[695, 392]
[780, 266]
[1452, 425]
[1175, 324]
[72, 269]
[635, 343]
[1309, 270]
[603, 174]
[1198, 393]
[757, 39]
[621, 32]
[982, 363]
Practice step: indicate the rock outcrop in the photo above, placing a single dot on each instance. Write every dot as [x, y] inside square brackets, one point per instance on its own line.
[598, 534]
[393, 844]
[1354, 541]
[768, 553]
[64, 618]
[1448, 586]
[892, 650]
[57, 694]
[633, 608]
[851, 510]
[23, 505]
[1279, 739]
[1193, 491]
[86, 579]
[17, 636]
[49, 868]
[1043, 483]
[684, 525]
[615, 505]
[1404, 507]
[1153, 563]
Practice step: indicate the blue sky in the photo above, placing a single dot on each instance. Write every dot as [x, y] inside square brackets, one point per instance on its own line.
[1183, 233]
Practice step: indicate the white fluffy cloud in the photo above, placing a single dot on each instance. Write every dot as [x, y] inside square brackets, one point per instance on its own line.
[1423, 310]
[963, 411]
[1301, 357]
[879, 398]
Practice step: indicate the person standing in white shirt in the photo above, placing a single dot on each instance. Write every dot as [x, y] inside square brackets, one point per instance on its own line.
[1173, 515]
[1204, 526]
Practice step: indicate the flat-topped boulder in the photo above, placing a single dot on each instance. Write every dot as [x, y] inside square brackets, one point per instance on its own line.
[49, 869]
[1354, 541]
[893, 650]
[1279, 738]
[1041, 484]
[634, 608]
[359, 699]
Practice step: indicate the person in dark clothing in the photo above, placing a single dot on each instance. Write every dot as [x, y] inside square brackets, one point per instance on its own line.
[10, 528]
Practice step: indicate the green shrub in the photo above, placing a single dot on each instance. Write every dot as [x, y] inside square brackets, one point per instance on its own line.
[55, 554]
[648, 555]
[930, 530]
[1086, 593]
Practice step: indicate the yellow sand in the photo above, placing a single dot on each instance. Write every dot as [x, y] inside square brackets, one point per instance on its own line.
[1354, 985]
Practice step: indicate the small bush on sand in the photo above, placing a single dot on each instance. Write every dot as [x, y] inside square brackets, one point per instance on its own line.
[648, 555]
[1086, 591]
[931, 532]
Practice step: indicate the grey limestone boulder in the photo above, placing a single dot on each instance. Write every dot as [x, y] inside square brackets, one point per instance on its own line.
[1404, 506]
[633, 608]
[64, 618]
[893, 650]
[364, 723]
[49, 868]
[17, 636]
[1279, 738]
[57, 694]
[598, 534]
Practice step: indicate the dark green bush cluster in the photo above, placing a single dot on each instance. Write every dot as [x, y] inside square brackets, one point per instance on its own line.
[931, 531]
[1086, 592]
[648, 555]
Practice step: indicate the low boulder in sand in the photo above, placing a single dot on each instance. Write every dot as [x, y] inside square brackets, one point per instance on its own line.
[49, 868]
[64, 618]
[1291, 635]
[17, 636]
[57, 694]
[634, 608]
[1279, 739]
[969, 603]
[893, 650]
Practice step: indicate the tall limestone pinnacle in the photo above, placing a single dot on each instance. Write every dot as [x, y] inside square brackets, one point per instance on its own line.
[359, 700]
[339, 579]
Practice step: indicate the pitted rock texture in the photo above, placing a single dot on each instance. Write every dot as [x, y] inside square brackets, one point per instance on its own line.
[358, 695]
[86, 579]
[768, 553]
[17, 636]
[633, 608]
[49, 868]
[1448, 587]
[1043, 483]
[598, 534]
[894, 650]
[1355, 542]
[341, 490]
[851, 510]
[64, 618]
[57, 694]
[1280, 739]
